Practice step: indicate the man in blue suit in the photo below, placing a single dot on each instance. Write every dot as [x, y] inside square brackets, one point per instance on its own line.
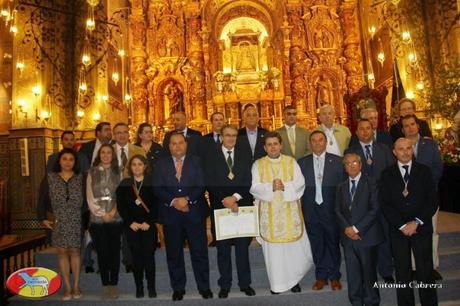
[426, 152]
[179, 185]
[357, 209]
[323, 172]
[380, 136]
[376, 157]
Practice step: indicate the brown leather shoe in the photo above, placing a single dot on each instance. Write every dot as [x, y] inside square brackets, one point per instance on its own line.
[336, 285]
[319, 284]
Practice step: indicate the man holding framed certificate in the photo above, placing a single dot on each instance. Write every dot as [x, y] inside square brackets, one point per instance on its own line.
[228, 179]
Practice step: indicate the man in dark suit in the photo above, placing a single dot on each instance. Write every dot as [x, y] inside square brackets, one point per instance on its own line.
[377, 157]
[357, 210]
[380, 136]
[323, 172]
[251, 137]
[103, 135]
[228, 180]
[68, 141]
[426, 152]
[193, 136]
[407, 107]
[212, 140]
[179, 185]
[408, 199]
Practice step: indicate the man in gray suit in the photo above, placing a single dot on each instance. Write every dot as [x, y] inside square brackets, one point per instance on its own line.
[357, 210]
[294, 138]
[323, 172]
[377, 157]
[426, 152]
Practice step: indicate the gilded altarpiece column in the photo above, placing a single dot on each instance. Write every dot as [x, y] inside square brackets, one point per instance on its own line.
[137, 26]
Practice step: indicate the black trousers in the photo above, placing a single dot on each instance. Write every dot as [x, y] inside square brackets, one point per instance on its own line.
[361, 266]
[224, 262]
[107, 240]
[324, 236]
[421, 245]
[175, 235]
[385, 257]
[142, 245]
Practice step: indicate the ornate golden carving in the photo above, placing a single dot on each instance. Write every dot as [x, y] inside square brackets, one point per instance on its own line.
[298, 58]
[353, 65]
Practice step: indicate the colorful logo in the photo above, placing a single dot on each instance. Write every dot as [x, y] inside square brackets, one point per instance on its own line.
[34, 282]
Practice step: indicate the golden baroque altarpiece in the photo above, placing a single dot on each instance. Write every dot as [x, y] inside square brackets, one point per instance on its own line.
[219, 55]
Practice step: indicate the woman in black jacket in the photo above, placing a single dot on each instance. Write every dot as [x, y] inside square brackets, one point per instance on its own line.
[137, 207]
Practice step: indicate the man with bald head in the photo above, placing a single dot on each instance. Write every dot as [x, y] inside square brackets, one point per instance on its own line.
[408, 199]
[380, 136]
[338, 136]
[193, 137]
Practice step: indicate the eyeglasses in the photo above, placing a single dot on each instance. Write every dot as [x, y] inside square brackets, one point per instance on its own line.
[352, 163]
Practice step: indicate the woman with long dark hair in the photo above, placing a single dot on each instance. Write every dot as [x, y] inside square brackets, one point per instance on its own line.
[105, 222]
[61, 193]
[137, 206]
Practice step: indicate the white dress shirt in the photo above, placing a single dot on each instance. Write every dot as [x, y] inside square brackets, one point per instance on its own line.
[232, 155]
[97, 146]
[118, 151]
[252, 137]
[332, 145]
[318, 168]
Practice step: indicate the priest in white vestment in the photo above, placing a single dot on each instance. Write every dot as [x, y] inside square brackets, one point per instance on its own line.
[277, 186]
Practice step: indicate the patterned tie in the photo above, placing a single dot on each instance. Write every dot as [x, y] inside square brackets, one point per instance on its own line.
[368, 152]
[178, 169]
[229, 160]
[124, 158]
[291, 136]
[353, 189]
[406, 174]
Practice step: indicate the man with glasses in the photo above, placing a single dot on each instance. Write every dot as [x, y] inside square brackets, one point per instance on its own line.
[357, 210]
[123, 148]
[228, 179]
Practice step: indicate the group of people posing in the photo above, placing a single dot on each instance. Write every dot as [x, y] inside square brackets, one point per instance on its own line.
[373, 192]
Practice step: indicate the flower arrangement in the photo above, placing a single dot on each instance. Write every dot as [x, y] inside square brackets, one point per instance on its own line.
[450, 152]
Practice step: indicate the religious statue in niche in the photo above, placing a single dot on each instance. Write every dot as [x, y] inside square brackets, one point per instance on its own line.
[246, 60]
[168, 48]
[323, 91]
[174, 98]
[322, 39]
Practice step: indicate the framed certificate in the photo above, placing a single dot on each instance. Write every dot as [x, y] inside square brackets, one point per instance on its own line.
[245, 223]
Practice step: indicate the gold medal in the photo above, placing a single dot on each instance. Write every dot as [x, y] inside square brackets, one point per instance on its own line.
[231, 176]
[369, 161]
[405, 192]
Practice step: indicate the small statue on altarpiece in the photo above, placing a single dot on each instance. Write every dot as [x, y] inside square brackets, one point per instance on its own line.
[175, 98]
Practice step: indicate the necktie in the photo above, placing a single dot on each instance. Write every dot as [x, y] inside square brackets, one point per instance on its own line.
[178, 169]
[217, 139]
[368, 152]
[291, 136]
[353, 189]
[319, 178]
[229, 160]
[406, 174]
[124, 158]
